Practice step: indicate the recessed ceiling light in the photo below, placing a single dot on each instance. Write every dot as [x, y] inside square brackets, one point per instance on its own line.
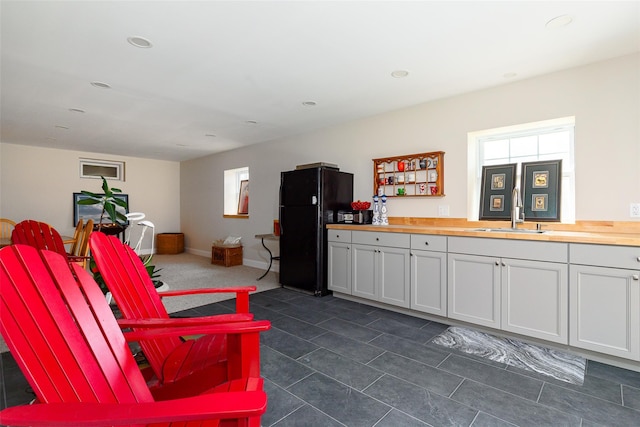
[509, 75]
[211, 135]
[49, 138]
[62, 127]
[398, 74]
[181, 145]
[100, 85]
[140, 42]
[309, 103]
[76, 110]
[559, 22]
[251, 122]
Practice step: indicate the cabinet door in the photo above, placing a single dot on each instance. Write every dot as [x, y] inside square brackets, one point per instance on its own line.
[535, 299]
[429, 282]
[474, 289]
[393, 276]
[605, 310]
[339, 267]
[363, 271]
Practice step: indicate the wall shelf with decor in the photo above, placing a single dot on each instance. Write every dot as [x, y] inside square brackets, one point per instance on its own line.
[410, 175]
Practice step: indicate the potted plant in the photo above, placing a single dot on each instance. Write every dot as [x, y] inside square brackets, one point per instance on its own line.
[110, 204]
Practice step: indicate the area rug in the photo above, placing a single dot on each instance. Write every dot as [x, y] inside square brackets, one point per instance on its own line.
[554, 363]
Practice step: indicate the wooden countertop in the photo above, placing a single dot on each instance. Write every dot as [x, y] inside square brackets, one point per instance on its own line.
[593, 232]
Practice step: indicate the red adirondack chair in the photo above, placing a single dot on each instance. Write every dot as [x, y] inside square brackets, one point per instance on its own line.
[41, 235]
[208, 356]
[72, 352]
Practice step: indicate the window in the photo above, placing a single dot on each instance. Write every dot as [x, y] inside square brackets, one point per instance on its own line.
[547, 140]
[91, 168]
[233, 179]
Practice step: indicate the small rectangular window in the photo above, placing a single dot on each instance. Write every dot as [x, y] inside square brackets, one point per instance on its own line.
[91, 168]
[233, 186]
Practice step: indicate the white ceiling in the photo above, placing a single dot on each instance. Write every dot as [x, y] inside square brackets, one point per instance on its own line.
[215, 66]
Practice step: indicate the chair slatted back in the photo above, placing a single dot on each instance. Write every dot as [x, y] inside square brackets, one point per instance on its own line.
[134, 292]
[83, 248]
[80, 250]
[6, 227]
[58, 344]
[77, 237]
[38, 234]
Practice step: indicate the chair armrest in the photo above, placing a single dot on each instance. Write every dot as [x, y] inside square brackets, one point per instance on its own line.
[207, 291]
[221, 328]
[77, 414]
[242, 295]
[185, 321]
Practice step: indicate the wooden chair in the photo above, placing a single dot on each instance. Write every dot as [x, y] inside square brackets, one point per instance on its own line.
[6, 227]
[41, 235]
[77, 236]
[72, 352]
[128, 281]
[80, 249]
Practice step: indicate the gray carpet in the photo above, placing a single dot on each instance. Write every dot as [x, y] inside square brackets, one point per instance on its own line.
[188, 271]
[554, 363]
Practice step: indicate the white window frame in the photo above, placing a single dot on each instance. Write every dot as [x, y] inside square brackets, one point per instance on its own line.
[232, 181]
[475, 162]
[95, 168]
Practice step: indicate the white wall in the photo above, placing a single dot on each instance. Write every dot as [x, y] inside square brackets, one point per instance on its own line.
[38, 183]
[187, 197]
[604, 97]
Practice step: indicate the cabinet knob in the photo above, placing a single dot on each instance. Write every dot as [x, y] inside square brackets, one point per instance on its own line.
[635, 277]
[426, 243]
[503, 264]
[337, 236]
[638, 259]
[377, 239]
[497, 263]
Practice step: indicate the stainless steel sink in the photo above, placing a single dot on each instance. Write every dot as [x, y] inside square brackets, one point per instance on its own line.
[511, 230]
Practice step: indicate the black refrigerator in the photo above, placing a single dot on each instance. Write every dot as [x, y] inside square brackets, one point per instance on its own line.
[310, 198]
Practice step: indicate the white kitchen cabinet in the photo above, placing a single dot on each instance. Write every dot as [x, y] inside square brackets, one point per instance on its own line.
[605, 299]
[535, 299]
[380, 267]
[429, 274]
[474, 289]
[339, 261]
[518, 286]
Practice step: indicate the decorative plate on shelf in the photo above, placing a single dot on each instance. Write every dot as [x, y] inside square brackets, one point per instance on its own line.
[433, 176]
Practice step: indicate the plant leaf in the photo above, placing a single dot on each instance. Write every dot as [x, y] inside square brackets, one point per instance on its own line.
[105, 186]
[111, 211]
[119, 202]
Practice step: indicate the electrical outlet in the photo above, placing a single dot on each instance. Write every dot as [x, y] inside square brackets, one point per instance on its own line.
[634, 210]
[443, 210]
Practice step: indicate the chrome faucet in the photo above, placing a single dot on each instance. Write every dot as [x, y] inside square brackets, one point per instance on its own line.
[516, 204]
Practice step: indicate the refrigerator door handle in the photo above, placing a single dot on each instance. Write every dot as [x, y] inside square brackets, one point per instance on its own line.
[314, 200]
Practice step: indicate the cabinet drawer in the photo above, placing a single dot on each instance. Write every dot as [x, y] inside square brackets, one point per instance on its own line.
[339, 236]
[396, 240]
[605, 256]
[507, 248]
[429, 242]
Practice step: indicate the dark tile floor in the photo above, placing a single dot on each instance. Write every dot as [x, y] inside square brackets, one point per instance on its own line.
[331, 362]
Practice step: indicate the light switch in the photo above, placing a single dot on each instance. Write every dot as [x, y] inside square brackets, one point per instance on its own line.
[443, 210]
